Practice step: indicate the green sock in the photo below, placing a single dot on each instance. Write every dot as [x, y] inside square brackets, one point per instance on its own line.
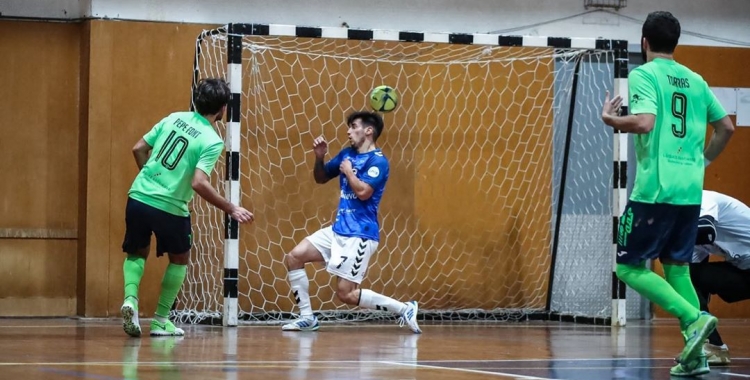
[657, 290]
[679, 277]
[132, 272]
[170, 286]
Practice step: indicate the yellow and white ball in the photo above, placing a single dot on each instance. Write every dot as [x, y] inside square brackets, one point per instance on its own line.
[383, 98]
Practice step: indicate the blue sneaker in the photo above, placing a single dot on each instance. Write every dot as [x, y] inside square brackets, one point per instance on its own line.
[302, 324]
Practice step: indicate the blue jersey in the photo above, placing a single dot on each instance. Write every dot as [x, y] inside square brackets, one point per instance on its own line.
[357, 218]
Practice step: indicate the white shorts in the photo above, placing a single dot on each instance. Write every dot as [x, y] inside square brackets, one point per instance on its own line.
[346, 257]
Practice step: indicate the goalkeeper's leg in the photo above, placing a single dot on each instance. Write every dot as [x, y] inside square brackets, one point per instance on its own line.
[314, 248]
[349, 259]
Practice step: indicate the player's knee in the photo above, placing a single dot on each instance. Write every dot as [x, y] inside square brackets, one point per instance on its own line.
[347, 292]
[292, 260]
[180, 259]
[141, 252]
[625, 272]
[349, 297]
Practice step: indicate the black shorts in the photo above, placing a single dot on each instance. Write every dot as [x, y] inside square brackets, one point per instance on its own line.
[730, 283]
[173, 233]
[648, 231]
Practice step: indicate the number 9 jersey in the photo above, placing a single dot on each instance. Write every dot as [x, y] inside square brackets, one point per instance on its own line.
[670, 158]
[181, 142]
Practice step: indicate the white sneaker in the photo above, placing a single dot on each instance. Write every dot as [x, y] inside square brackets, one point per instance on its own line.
[410, 317]
[130, 323]
[302, 324]
[717, 355]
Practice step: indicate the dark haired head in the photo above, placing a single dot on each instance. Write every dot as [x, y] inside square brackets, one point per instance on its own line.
[662, 32]
[210, 96]
[368, 119]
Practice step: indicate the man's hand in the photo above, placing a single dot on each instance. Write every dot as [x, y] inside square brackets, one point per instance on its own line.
[320, 147]
[241, 215]
[346, 167]
[611, 107]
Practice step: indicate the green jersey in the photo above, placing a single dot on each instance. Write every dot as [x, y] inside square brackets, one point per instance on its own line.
[670, 158]
[181, 142]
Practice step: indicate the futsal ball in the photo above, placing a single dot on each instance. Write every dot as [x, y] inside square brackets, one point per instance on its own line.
[383, 99]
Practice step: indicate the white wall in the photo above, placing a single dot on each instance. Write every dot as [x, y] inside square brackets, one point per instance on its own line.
[64, 9]
[718, 18]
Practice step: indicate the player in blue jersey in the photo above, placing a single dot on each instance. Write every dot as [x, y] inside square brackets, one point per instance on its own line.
[346, 247]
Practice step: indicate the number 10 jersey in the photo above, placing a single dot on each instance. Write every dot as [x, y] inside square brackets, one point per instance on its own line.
[181, 142]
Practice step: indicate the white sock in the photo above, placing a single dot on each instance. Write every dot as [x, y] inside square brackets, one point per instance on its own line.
[371, 300]
[301, 291]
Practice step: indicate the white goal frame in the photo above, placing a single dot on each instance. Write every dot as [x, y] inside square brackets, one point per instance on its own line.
[236, 31]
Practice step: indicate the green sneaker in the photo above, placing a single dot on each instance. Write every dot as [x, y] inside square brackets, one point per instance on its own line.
[165, 329]
[695, 334]
[696, 367]
[130, 323]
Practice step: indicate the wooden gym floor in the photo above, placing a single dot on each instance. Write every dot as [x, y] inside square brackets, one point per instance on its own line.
[98, 349]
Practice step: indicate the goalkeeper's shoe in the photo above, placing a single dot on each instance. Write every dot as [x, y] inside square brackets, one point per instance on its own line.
[410, 317]
[302, 324]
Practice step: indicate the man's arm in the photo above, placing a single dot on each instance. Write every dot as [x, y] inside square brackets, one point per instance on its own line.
[143, 147]
[319, 172]
[141, 152]
[373, 176]
[723, 130]
[361, 189]
[722, 124]
[639, 124]
[202, 185]
[323, 172]
[643, 105]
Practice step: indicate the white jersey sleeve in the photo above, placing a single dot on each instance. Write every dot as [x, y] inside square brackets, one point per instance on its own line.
[710, 204]
[732, 221]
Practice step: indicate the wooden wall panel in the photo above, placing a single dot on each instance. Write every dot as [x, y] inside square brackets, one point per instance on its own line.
[39, 69]
[722, 67]
[39, 100]
[38, 277]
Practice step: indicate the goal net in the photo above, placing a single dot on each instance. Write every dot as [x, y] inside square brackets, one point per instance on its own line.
[477, 149]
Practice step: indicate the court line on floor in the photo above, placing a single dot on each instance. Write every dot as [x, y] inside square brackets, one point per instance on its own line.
[251, 362]
[80, 374]
[735, 374]
[548, 360]
[498, 324]
[465, 370]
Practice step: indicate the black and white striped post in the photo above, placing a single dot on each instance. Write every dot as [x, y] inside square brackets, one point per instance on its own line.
[232, 183]
[620, 180]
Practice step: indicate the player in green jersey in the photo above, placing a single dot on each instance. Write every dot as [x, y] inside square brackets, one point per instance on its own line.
[670, 106]
[175, 159]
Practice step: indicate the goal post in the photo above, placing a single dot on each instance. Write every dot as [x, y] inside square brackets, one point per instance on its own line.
[503, 199]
